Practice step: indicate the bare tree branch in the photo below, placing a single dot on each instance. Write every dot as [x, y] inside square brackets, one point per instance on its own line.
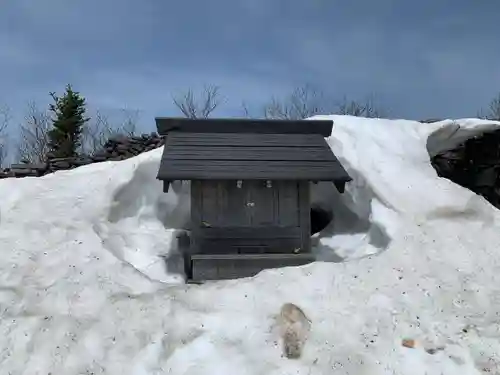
[33, 143]
[306, 102]
[99, 130]
[351, 107]
[493, 111]
[303, 102]
[95, 133]
[193, 107]
[245, 109]
[5, 118]
[128, 125]
[366, 108]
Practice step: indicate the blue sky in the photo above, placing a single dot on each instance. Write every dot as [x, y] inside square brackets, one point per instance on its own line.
[420, 59]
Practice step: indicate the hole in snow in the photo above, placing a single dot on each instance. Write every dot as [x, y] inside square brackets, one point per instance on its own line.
[320, 218]
[351, 232]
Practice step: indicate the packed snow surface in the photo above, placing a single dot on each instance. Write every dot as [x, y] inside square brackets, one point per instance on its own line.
[90, 284]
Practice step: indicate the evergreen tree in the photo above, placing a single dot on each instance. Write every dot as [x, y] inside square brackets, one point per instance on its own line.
[69, 119]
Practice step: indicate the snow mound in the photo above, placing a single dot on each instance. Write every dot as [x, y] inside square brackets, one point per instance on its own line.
[84, 287]
[393, 181]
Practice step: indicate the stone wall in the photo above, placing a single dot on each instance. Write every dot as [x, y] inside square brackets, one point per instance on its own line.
[118, 148]
[474, 164]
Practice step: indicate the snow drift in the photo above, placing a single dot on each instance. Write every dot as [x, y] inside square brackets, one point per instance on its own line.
[84, 287]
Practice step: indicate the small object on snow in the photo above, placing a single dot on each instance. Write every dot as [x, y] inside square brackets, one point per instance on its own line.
[294, 329]
[408, 343]
[434, 350]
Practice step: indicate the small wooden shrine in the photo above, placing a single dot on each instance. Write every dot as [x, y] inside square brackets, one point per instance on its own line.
[250, 190]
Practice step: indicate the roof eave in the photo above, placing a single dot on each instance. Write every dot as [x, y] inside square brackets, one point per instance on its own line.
[177, 177]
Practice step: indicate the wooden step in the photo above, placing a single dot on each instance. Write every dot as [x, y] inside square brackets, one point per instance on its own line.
[233, 266]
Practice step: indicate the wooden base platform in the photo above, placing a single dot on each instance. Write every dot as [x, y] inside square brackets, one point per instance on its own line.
[203, 267]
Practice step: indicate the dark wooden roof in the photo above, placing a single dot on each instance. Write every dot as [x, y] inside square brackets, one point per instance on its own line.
[165, 125]
[190, 156]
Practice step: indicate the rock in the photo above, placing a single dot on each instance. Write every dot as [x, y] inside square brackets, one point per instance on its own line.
[116, 148]
[294, 327]
[55, 160]
[122, 147]
[99, 159]
[475, 164]
[61, 164]
[487, 177]
[23, 172]
[430, 120]
[38, 167]
[408, 343]
[80, 162]
[7, 174]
